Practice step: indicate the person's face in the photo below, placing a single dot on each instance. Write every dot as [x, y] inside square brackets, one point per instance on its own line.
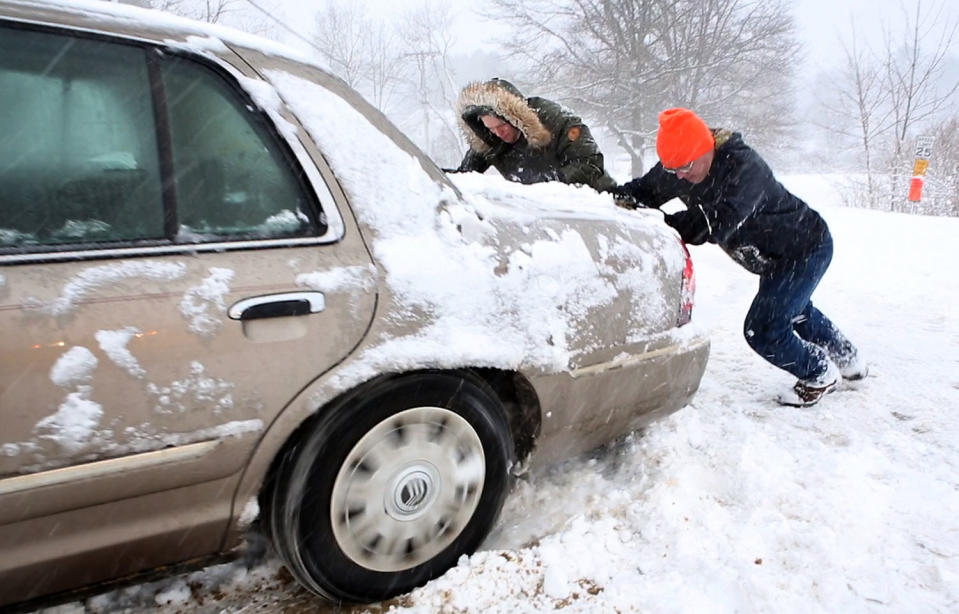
[696, 171]
[504, 130]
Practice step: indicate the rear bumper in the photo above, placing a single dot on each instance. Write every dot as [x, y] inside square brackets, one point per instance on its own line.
[592, 405]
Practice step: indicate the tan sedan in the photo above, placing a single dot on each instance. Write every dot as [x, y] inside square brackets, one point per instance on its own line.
[233, 295]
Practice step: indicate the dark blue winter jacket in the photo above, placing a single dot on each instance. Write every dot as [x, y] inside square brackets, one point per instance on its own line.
[739, 206]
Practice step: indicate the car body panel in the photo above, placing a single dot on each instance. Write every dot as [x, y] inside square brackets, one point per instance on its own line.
[186, 386]
[111, 540]
[187, 408]
[142, 350]
[596, 405]
[152, 350]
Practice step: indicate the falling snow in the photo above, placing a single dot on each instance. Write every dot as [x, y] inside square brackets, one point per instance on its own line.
[733, 504]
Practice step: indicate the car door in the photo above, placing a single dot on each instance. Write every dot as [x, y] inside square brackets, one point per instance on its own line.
[172, 272]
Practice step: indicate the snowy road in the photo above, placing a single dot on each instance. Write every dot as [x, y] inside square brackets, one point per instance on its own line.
[733, 504]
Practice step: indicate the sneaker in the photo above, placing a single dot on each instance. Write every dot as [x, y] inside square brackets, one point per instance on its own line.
[854, 367]
[808, 392]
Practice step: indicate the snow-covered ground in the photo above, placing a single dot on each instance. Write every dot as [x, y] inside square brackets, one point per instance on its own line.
[733, 504]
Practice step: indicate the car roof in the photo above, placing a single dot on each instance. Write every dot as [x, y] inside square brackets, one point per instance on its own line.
[135, 22]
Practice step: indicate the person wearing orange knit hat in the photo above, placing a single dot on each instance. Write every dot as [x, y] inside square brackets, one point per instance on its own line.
[682, 137]
[733, 200]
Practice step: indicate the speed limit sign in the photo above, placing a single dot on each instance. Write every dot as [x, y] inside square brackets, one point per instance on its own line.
[924, 147]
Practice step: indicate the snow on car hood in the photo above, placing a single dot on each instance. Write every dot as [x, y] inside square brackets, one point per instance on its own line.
[449, 263]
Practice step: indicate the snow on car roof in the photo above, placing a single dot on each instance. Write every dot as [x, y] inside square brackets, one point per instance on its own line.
[148, 24]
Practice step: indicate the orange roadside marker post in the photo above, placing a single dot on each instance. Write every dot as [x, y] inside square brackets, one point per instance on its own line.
[923, 152]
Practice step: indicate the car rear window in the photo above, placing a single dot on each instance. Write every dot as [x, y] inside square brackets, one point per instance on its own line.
[230, 181]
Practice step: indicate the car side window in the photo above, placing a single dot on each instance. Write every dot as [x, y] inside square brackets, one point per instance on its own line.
[231, 179]
[109, 142]
[78, 151]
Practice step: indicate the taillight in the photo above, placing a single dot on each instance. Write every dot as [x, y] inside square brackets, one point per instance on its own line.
[687, 292]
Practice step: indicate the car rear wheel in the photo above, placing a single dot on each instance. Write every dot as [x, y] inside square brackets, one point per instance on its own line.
[389, 487]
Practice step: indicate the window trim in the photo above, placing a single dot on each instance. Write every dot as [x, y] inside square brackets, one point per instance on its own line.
[158, 248]
[324, 209]
[164, 140]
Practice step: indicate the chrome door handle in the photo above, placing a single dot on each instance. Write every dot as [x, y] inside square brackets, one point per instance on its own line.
[277, 305]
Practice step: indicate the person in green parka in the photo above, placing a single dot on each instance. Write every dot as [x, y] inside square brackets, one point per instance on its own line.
[529, 140]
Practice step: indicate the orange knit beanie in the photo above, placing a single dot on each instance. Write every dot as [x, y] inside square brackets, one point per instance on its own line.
[683, 136]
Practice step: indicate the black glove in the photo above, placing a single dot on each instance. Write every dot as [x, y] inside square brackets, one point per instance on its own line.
[690, 224]
[622, 198]
[626, 201]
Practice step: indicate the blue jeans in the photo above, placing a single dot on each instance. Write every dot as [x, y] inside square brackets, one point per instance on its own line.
[782, 325]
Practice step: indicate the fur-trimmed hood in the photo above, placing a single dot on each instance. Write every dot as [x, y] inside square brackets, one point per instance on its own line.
[500, 98]
[721, 135]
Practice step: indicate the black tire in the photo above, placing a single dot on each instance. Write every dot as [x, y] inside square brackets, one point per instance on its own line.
[390, 486]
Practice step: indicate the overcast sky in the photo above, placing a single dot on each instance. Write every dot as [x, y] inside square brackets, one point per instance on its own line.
[820, 22]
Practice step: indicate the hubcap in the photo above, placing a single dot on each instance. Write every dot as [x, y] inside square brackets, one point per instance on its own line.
[413, 491]
[407, 489]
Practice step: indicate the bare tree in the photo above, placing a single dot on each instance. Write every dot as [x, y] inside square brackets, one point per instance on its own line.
[943, 174]
[385, 68]
[362, 50]
[860, 106]
[340, 33]
[240, 14]
[913, 71]
[210, 11]
[886, 97]
[625, 60]
[427, 30]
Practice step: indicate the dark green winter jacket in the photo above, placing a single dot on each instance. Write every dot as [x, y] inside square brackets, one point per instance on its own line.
[554, 145]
